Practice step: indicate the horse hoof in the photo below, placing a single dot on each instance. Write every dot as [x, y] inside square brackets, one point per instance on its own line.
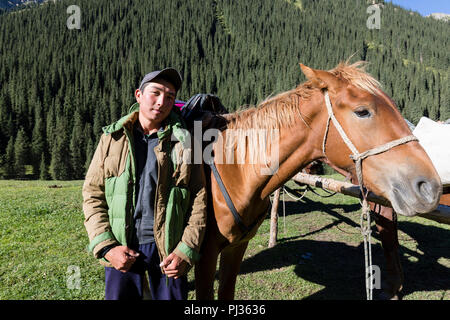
[383, 295]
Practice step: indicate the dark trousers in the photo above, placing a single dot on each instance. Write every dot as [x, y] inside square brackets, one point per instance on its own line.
[129, 285]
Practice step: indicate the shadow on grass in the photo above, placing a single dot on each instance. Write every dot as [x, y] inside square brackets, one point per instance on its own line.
[340, 268]
[426, 273]
[336, 266]
[307, 206]
[288, 252]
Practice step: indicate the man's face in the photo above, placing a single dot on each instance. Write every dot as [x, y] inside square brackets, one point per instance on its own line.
[156, 100]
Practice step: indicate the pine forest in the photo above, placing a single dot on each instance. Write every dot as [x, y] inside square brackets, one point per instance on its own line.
[59, 85]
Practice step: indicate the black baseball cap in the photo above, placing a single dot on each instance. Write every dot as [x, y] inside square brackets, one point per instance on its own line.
[169, 74]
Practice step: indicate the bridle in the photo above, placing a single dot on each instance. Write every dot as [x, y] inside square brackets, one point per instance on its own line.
[358, 157]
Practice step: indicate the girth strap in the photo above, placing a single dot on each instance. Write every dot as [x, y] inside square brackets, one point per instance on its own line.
[237, 218]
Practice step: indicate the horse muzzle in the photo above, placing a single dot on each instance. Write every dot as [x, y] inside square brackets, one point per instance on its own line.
[414, 196]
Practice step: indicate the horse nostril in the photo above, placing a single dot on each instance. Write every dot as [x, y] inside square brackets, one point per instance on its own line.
[426, 190]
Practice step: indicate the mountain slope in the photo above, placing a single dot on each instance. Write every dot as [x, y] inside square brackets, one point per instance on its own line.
[440, 16]
[10, 4]
[54, 80]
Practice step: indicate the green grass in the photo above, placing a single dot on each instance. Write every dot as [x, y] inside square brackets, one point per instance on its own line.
[42, 236]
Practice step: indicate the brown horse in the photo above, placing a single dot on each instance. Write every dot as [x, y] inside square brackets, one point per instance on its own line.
[294, 124]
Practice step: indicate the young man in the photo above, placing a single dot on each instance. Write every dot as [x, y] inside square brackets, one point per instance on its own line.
[145, 209]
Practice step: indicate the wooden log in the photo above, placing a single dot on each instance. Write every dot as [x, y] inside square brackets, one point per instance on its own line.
[274, 219]
[347, 188]
[440, 214]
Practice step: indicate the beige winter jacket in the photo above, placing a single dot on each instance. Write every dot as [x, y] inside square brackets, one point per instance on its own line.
[109, 193]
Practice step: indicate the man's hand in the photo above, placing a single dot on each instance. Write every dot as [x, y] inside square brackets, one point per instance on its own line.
[121, 257]
[174, 266]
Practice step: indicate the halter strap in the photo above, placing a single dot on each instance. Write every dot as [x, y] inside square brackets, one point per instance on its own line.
[358, 157]
[383, 148]
[337, 125]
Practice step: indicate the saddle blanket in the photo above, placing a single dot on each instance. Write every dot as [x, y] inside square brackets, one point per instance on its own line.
[434, 137]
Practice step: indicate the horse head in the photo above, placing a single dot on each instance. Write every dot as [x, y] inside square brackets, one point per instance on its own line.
[399, 169]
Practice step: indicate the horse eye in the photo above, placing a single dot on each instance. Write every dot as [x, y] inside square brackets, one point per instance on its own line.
[362, 113]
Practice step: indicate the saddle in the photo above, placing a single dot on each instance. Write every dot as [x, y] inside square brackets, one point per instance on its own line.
[210, 111]
[206, 108]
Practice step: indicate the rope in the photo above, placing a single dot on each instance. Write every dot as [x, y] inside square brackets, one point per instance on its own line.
[294, 197]
[324, 143]
[337, 124]
[367, 232]
[284, 215]
[330, 194]
[383, 148]
[365, 222]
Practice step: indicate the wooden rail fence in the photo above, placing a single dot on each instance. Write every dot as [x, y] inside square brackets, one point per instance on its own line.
[440, 214]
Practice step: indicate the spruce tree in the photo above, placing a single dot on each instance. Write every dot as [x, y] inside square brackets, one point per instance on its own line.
[8, 164]
[445, 102]
[43, 169]
[60, 165]
[21, 153]
[37, 141]
[89, 154]
[240, 51]
[77, 148]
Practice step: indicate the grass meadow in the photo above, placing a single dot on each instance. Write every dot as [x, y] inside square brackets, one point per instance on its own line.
[319, 254]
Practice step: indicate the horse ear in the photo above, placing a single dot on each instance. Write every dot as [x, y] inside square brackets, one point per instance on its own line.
[307, 71]
[311, 76]
[319, 78]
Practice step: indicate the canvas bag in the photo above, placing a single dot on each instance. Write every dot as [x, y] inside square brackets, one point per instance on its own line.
[435, 139]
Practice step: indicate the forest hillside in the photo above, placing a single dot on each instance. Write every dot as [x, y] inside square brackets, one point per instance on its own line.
[59, 85]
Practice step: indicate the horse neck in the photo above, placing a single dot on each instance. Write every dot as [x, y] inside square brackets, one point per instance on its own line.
[298, 145]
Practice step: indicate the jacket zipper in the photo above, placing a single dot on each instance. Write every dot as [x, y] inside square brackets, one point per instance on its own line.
[132, 183]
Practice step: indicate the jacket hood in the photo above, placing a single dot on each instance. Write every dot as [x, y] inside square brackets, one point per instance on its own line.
[173, 124]
[125, 121]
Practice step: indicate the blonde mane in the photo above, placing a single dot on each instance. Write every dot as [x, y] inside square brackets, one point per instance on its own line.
[282, 110]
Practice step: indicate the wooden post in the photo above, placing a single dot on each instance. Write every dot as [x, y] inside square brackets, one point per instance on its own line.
[274, 219]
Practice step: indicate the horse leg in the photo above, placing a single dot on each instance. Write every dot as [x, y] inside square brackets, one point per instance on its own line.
[205, 270]
[230, 263]
[386, 223]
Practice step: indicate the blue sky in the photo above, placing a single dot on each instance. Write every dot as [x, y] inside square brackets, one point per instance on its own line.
[424, 7]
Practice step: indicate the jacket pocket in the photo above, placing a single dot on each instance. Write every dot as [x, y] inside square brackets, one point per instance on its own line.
[113, 166]
[181, 159]
[116, 193]
[177, 207]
